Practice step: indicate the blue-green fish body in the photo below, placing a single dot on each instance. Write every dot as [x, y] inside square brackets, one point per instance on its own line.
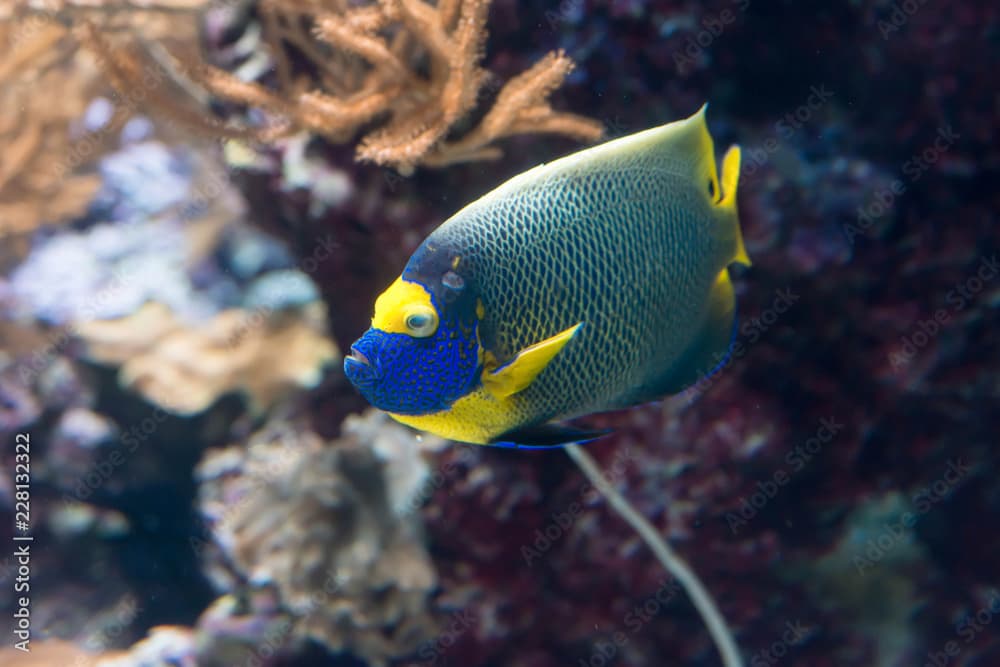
[593, 283]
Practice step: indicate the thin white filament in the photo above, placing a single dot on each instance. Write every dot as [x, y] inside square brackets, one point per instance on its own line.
[674, 564]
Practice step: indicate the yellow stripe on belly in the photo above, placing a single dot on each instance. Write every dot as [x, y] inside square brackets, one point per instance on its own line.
[476, 418]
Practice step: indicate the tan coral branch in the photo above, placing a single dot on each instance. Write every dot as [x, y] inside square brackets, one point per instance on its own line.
[407, 71]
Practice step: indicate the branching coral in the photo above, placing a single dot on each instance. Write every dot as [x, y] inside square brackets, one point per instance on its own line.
[411, 68]
[415, 64]
[39, 182]
[265, 354]
[49, 144]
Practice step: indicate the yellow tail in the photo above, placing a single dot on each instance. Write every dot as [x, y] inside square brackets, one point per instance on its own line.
[730, 180]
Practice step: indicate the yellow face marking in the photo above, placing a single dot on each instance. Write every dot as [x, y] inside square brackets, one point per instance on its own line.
[480, 309]
[454, 262]
[404, 301]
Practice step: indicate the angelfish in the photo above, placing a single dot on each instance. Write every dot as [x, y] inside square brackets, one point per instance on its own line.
[592, 283]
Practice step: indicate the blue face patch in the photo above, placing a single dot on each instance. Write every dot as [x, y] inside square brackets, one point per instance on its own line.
[414, 376]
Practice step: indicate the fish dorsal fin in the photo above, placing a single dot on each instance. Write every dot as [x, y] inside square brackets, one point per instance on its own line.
[684, 148]
[519, 372]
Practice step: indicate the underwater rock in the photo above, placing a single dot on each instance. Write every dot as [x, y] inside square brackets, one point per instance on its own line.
[277, 290]
[74, 444]
[402, 451]
[328, 186]
[18, 407]
[37, 379]
[321, 525]
[73, 519]
[265, 354]
[165, 645]
[185, 248]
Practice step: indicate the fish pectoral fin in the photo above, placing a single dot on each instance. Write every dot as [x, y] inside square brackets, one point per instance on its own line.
[521, 371]
[545, 436]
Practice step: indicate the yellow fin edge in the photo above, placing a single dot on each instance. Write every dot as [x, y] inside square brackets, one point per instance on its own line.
[730, 182]
[704, 147]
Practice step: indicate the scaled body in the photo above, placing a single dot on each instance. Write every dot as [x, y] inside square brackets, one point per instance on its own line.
[630, 240]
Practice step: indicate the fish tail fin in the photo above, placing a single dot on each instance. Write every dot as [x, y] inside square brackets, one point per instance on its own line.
[727, 201]
[721, 195]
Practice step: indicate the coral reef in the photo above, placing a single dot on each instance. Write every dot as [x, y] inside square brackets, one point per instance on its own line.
[49, 151]
[329, 528]
[43, 158]
[830, 484]
[164, 226]
[410, 64]
[265, 354]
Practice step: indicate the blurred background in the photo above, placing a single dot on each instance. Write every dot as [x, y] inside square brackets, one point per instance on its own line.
[199, 202]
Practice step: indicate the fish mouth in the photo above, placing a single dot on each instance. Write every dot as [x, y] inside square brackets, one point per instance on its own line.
[358, 357]
[360, 369]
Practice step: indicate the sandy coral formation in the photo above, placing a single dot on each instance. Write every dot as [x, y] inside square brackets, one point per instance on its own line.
[321, 525]
[51, 652]
[264, 354]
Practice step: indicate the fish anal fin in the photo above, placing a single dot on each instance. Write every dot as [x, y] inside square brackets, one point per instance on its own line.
[519, 372]
[546, 436]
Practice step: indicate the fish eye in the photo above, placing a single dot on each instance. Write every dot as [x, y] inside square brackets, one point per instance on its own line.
[421, 321]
